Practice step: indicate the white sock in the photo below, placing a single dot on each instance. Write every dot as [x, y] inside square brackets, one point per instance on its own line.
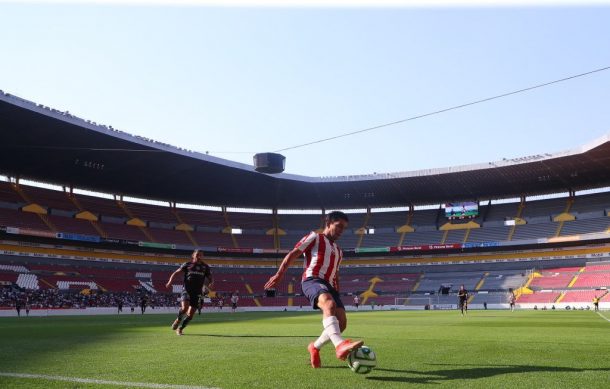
[332, 330]
[321, 341]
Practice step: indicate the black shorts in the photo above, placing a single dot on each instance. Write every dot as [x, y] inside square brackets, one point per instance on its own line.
[463, 303]
[191, 297]
[234, 305]
[313, 287]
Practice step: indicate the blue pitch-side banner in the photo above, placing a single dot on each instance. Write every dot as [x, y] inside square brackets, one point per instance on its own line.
[481, 244]
[80, 237]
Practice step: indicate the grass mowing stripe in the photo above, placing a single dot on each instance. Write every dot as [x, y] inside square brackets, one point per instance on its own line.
[100, 382]
[260, 350]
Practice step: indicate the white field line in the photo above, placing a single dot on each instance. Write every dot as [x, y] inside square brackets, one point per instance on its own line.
[100, 382]
[602, 316]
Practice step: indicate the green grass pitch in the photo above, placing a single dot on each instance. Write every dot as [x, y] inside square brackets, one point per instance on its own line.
[426, 349]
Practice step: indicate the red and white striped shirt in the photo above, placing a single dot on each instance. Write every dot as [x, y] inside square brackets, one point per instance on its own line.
[322, 257]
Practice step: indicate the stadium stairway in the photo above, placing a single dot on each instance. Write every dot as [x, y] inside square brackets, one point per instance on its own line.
[187, 228]
[94, 223]
[517, 217]
[573, 281]
[25, 197]
[131, 216]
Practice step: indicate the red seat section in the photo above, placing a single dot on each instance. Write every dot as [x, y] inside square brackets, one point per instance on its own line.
[542, 298]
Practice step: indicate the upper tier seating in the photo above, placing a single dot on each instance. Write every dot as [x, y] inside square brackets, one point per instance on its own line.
[501, 212]
[488, 234]
[591, 203]
[13, 218]
[68, 224]
[388, 219]
[257, 221]
[49, 198]
[585, 226]
[300, 223]
[590, 212]
[544, 208]
[9, 195]
[534, 231]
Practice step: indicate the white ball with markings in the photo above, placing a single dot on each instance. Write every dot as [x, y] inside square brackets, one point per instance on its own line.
[362, 360]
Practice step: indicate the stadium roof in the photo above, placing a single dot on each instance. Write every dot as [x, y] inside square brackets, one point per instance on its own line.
[46, 145]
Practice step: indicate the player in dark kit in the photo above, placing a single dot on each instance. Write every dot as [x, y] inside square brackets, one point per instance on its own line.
[143, 303]
[197, 275]
[463, 299]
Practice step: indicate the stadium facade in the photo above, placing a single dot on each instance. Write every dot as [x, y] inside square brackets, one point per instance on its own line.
[46, 232]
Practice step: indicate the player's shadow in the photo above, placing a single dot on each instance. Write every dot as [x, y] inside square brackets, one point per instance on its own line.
[252, 336]
[470, 373]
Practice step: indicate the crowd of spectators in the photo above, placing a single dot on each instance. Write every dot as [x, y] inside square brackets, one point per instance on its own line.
[68, 114]
[10, 297]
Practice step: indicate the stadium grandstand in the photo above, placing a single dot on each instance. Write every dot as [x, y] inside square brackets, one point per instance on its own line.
[86, 221]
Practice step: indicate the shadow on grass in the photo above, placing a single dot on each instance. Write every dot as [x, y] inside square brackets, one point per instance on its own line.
[253, 336]
[470, 373]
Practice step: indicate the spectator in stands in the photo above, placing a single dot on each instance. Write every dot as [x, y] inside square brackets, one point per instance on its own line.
[596, 303]
[197, 275]
[49, 299]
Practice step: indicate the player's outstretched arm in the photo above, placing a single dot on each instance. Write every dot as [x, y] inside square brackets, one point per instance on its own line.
[277, 277]
[171, 278]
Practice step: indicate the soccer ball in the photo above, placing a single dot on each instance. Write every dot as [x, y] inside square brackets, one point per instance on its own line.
[362, 360]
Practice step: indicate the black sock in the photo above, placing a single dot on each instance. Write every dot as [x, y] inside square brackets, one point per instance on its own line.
[185, 322]
[180, 316]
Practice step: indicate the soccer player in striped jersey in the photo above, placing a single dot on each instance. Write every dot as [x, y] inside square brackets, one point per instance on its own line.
[320, 283]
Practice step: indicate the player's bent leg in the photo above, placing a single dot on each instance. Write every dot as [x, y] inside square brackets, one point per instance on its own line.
[187, 319]
[181, 314]
[327, 305]
[342, 317]
[332, 328]
[321, 303]
[348, 344]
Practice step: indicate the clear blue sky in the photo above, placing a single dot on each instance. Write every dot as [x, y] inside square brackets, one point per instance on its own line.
[261, 79]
